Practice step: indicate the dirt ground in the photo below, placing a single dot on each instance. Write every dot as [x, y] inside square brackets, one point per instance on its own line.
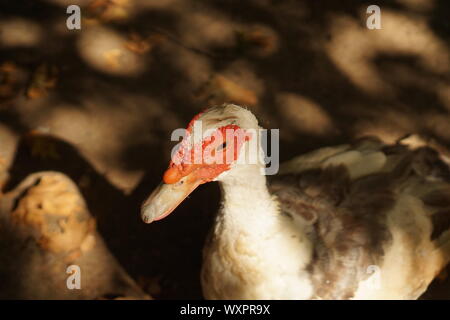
[99, 104]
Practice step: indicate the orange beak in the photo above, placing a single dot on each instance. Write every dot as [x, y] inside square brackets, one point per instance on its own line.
[178, 183]
[169, 194]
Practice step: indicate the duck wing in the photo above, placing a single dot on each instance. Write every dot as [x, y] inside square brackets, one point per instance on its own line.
[372, 211]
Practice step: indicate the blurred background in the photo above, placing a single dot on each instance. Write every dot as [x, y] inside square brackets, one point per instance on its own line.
[99, 104]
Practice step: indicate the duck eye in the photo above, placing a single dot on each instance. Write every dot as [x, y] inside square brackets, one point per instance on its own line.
[222, 146]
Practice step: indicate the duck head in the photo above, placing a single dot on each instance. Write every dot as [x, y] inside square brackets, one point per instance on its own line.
[212, 147]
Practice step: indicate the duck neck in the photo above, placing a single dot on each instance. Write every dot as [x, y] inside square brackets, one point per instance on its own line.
[246, 201]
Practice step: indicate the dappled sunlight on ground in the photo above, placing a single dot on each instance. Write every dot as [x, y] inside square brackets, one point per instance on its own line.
[106, 51]
[297, 109]
[8, 141]
[18, 32]
[419, 5]
[205, 29]
[354, 48]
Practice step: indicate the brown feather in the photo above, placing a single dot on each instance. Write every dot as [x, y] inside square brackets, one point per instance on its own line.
[350, 216]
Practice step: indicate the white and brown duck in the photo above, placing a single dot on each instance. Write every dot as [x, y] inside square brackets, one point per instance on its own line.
[358, 221]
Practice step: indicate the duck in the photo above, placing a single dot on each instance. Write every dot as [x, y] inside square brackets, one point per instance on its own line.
[359, 221]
